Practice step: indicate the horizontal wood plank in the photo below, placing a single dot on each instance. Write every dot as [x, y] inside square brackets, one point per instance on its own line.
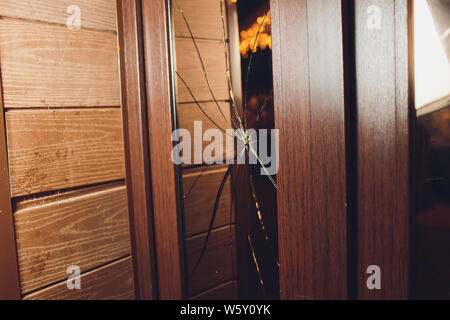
[199, 200]
[86, 230]
[46, 65]
[189, 68]
[202, 16]
[111, 282]
[57, 149]
[218, 264]
[226, 291]
[190, 112]
[96, 14]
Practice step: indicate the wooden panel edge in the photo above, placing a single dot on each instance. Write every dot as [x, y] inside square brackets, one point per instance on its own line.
[9, 272]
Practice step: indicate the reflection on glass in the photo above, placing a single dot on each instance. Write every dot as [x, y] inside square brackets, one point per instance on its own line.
[432, 66]
[432, 158]
[216, 90]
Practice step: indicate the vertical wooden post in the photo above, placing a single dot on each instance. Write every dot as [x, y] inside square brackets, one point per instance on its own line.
[9, 272]
[383, 98]
[136, 148]
[159, 87]
[310, 113]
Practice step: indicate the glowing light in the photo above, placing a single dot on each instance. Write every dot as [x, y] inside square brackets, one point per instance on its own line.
[248, 37]
[432, 68]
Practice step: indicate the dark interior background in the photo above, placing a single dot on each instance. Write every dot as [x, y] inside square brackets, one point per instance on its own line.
[260, 92]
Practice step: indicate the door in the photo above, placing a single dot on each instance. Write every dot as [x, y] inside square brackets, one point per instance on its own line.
[344, 100]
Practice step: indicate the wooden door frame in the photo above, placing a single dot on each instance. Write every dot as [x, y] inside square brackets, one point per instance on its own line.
[136, 148]
[377, 204]
[152, 179]
[384, 106]
[147, 101]
[9, 271]
[310, 114]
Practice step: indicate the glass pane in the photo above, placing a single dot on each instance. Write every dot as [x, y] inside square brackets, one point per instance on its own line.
[432, 158]
[223, 147]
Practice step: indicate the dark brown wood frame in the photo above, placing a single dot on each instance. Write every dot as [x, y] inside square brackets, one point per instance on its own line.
[310, 113]
[136, 148]
[385, 109]
[159, 84]
[148, 125]
[9, 271]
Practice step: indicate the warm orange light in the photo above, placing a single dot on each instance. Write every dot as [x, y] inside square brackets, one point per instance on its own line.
[248, 37]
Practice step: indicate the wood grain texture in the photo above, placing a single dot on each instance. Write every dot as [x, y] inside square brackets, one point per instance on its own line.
[382, 74]
[189, 68]
[166, 216]
[226, 291]
[111, 282]
[137, 158]
[218, 265]
[46, 65]
[309, 111]
[199, 204]
[95, 14]
[188, 113]
[86, 230]
[57, 149]
[9, 272]
[328, 146]
[203, 18]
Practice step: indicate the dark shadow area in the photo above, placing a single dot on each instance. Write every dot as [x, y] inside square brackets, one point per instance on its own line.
[257, 82]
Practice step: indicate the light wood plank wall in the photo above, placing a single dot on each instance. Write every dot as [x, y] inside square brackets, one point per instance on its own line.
[216, 275]
[61, 96]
